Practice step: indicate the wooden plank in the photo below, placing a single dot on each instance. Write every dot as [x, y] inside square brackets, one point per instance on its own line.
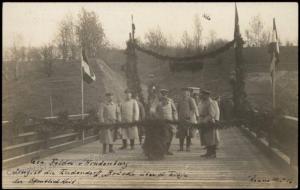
[18, 146]
[237, 159]
[63, 136]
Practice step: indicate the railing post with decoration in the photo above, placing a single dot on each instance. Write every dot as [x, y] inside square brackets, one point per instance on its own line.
[133, 80]
[239, 94]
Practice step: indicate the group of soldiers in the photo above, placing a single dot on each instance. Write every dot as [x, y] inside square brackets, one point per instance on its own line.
[192, 108]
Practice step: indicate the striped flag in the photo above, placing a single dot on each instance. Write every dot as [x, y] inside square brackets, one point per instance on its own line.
[87, 74]
[274, 50]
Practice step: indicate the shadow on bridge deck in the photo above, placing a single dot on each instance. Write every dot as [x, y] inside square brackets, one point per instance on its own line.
[238, 164]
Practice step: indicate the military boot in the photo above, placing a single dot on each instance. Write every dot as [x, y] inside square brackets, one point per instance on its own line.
[111, 150]
[181, 144]
[131, 144]
[104, 149]
[188, 144]
[168, 152]
[208, 152]
[124, 144]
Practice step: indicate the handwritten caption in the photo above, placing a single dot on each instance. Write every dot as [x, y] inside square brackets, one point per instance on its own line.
[61, 171]
[260, 179]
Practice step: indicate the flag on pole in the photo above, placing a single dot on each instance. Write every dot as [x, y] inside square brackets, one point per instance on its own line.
[274, 50]
[87, 74]
[237, 34]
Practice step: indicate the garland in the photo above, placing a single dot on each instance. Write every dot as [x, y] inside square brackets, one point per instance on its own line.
[186, 58]
[188, 66]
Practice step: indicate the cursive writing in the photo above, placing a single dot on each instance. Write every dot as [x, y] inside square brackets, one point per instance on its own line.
[260, 179]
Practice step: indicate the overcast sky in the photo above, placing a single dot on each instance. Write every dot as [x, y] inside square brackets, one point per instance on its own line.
[38, 22]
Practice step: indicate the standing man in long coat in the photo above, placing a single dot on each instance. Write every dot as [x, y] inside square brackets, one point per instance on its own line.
[142, 116]
[207, 118]
[166, 110]
[215, 104]
[129, 113]
[108, 113]
[187, 111]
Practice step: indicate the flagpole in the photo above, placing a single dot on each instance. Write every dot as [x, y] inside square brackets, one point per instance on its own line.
[82, 100]
[273, 86]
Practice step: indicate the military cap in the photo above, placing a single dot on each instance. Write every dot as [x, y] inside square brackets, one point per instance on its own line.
[203, 91]
[128, 91]
[185, 89]
[108, 94]
[164, 91]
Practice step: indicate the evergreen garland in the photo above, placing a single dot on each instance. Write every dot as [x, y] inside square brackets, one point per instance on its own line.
[199, 56]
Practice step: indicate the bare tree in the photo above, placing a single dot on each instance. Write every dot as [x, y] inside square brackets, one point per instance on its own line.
[198, 29]
[34, 54]
[90, 32]
[212, 36]
[187, 42]
[288, 43]
[66, 39]
[48, 58]
[155, 39]
[265, 38]
[17, 54]
[256, 26]
[255, 34]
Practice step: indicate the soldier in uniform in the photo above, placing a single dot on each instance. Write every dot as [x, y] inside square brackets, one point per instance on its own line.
[129, 113]
[108, 113]
[207, 118]
[215, 104]
[187, 111]
[166, 110]
[142, 116]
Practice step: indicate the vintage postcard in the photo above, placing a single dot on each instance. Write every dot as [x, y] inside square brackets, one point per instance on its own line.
[150, 95]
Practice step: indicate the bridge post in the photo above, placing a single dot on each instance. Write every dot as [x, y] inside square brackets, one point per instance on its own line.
[133, 80]
[239, 94]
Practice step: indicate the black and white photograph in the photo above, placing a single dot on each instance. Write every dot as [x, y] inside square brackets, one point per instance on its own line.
[100, 95]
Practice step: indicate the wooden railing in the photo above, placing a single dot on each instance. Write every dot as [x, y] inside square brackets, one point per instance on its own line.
[21, 148]
[280, 134]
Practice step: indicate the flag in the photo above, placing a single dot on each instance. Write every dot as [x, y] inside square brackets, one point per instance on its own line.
[237, 33]
[274, 50]
[87, 74]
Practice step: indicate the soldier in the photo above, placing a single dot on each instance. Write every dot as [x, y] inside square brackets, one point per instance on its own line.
[108, 113]
[129, 113]
[142, 116]
[215, 104]
[207, 118]
[166, 110]
[187, 111]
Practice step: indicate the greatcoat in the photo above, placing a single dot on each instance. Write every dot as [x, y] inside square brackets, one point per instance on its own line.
[187, 111]
[108, 113]
[167, 112]
[206, 117]
[129, 113]
[216, 116]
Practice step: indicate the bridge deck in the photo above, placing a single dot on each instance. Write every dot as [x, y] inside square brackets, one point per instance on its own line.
[237, 159]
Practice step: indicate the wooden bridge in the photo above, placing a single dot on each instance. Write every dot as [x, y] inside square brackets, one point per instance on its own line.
[243, 160]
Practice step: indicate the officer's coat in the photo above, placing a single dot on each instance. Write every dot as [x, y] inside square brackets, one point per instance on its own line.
[216, 116]
[129, 113]
[108, 113]
[187, 110]
[207, 115]
[167, 112]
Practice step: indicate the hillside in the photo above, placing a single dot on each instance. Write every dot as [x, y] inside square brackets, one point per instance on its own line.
[31, 93]
[216, 72]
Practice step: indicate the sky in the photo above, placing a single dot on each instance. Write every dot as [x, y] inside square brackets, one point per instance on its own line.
[37, 23]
